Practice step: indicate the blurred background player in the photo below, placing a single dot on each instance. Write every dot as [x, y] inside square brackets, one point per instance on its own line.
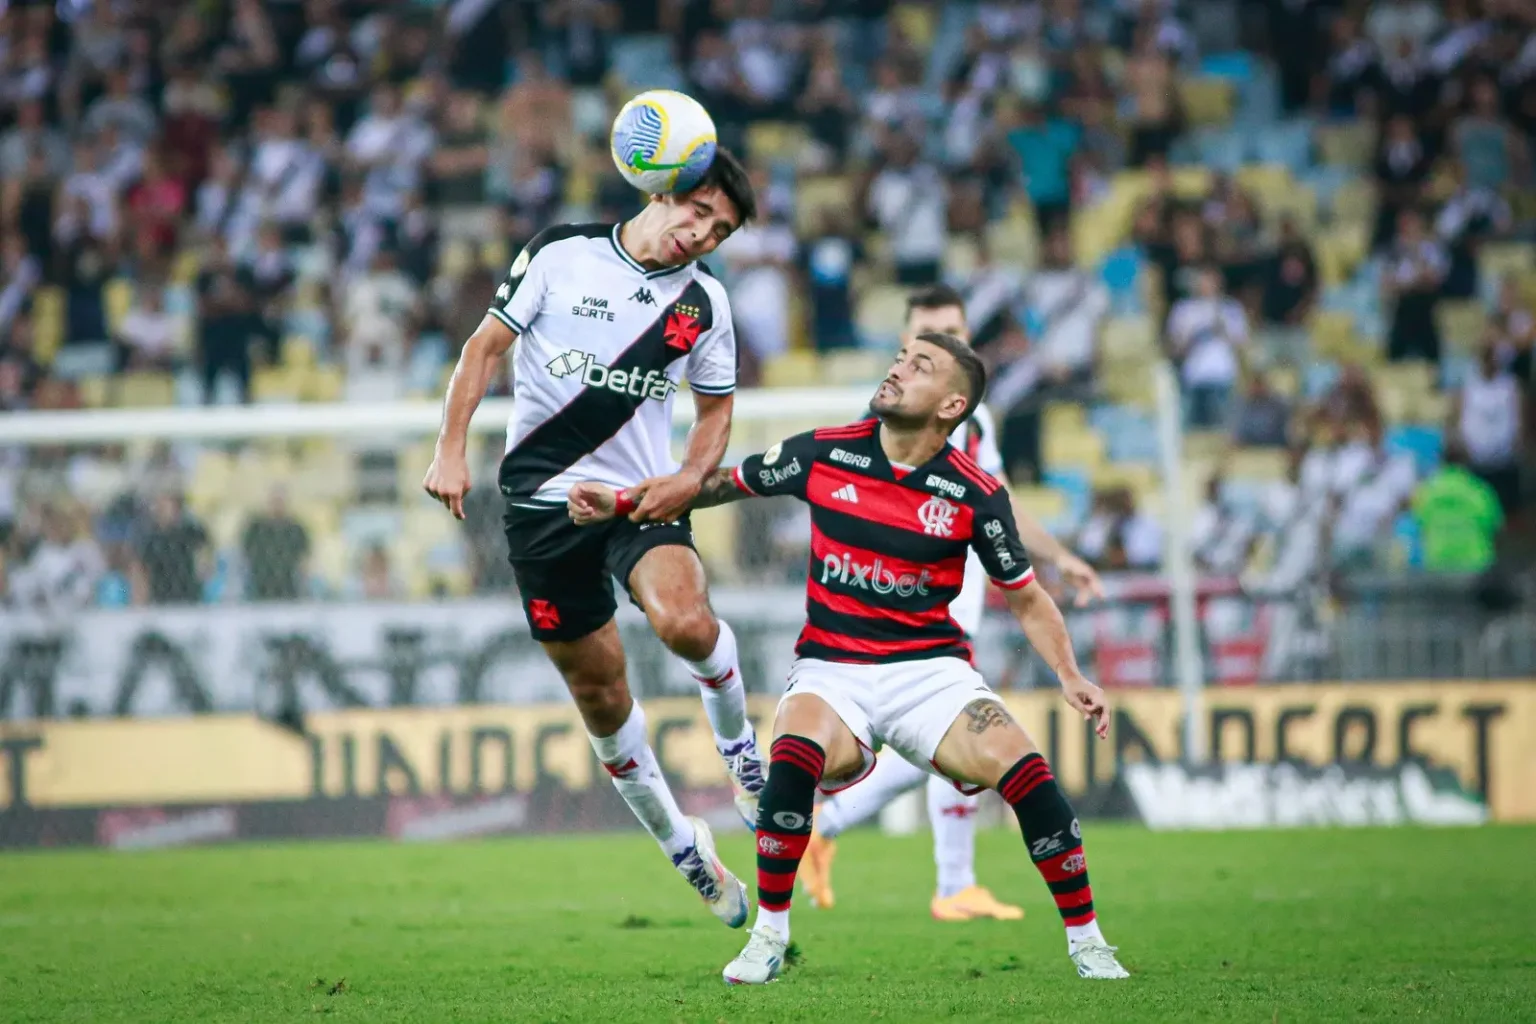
[951, 812]
[611, 317]
[895, 509]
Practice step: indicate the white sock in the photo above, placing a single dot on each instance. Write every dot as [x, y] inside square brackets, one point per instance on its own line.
[1089, 932]
[636, 775]
[725, 699]
[893, 776]
[778, 920]
[953, 817]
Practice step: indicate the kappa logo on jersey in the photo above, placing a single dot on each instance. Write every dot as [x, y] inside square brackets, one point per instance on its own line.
[849, 458]
[872, 577]
[682, 330]
[650, 384]
[937, 517]
[949, 487]
[847, 493]
[643, 296]
[593, 308]
[504, 292]
[773, 477]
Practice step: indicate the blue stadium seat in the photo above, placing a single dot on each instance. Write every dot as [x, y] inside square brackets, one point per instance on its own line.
[1424, 443]
[1288, 143]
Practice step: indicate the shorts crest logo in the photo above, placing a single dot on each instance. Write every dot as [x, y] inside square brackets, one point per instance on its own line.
[544, 614]
[937, 517]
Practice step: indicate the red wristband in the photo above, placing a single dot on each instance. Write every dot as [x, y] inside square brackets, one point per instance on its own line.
[623, 504]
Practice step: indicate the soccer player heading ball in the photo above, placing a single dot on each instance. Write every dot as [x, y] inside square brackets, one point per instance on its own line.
[608, 319]
[894, 510]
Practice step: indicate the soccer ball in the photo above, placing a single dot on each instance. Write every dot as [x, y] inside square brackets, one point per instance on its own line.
[663, 141]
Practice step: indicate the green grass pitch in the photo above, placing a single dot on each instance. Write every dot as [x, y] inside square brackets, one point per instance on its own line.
[1379, 925]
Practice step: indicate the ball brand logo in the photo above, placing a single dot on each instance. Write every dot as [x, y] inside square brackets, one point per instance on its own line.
[877, 577]
[650, 384]
[937, 517]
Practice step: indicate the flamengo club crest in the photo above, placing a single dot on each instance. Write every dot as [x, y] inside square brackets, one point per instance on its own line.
[937, 517]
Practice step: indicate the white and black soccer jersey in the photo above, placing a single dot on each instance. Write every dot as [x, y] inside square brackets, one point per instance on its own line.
[603, 345]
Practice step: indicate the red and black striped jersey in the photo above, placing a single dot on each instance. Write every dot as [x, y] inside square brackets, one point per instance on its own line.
[888, 547]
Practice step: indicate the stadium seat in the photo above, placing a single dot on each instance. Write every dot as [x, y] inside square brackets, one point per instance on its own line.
[855, 366]
[117, 298]
[145, 390]
[1082, 449]
[1046, 504]
[1350, 144]
[1288, 144]
[1461, 324]
[1129, 338]
[1207, 100]
[795, 369]
[1256, 464]
[881, 312]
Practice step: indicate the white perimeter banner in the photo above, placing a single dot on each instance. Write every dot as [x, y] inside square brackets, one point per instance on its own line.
[242, 657]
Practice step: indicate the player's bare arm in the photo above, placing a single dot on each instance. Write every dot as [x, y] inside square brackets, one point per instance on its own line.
[1042, 623]
[591, 502]
[447, 478]
[666, 498]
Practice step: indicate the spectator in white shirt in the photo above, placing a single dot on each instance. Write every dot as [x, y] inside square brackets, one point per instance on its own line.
[62, 574]
[383, 293]
[1488, 418]
[1067, 306]
[1207, 334]
[146, 339]
[909, 201]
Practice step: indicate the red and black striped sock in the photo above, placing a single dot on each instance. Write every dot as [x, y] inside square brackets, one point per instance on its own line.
[784, 817]
[1052, 835]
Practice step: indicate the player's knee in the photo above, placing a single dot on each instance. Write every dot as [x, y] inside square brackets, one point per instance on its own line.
[690, 632]
[603, 701]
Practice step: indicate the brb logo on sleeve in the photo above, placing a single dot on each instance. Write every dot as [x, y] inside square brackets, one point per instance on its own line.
[652, 383]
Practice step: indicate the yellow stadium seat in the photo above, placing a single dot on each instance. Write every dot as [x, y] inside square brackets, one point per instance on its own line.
[1461, 323]
[800, 369]
[145, 390]
[813, 195]
[95, 392]
[855, 366]
[117, 297]
[1499, 259]
[1430, 407]
[1351, 144]
[298, 352]
[776, 140]
[961, 255]
[1206, 100]
[1332, 326]
[714, 534]
[1139, 479]
[185, 267]
[1064, 416]
[323, 384]
[330, 560]
[1014, 241]
[493, 253]
[1256, 464]
[1129, 337]
[1206, 443]
[882, 312]
[275, 384]
[916, 23]
[47, 322]
[1355, 203]
[1046, 504]
[1068, 448]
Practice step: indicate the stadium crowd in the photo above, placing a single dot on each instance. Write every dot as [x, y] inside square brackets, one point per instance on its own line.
[1319, 211]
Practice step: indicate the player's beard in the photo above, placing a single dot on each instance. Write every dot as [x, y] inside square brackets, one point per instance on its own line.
[886, 405]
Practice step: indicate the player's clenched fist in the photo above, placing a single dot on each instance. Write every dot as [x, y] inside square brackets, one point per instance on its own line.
[589, 503]
[447, 480]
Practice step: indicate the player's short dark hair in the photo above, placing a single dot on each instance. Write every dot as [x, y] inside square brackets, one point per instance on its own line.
[934, 296]
[729, 175]
[969, 364]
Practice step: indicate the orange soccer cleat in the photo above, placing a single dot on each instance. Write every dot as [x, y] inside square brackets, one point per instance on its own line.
[816, 870]
[971, 903]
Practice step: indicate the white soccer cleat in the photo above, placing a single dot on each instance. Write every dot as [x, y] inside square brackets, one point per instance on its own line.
[722, 891]
[1097, 960]
[748, 774]
[759, 963]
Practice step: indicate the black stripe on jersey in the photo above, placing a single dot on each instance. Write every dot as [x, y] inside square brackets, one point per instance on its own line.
[871, 627]
[825, 652]
[595, 415]
[848, 528]
[555, 233]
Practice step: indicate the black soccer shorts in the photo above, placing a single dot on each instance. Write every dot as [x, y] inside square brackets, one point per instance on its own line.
[564, 572]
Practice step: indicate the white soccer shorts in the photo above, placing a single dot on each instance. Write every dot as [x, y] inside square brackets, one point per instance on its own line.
[906, 705]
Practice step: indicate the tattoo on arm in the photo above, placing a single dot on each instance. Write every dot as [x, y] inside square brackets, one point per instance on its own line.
[985, 714]
[719, 488]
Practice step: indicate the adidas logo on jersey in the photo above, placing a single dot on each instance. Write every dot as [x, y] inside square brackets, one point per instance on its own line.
[650, 384]
[846, 493]
[872, 577]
